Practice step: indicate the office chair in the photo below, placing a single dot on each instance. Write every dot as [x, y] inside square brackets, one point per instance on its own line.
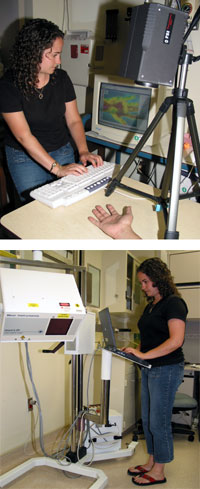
[182, 402]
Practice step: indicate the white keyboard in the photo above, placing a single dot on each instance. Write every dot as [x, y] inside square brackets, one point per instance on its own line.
[67, 190]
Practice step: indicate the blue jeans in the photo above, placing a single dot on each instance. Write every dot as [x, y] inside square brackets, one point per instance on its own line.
[159, 386]
[27, 174]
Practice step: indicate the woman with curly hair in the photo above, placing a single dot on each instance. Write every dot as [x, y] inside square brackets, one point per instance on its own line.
[162, 329]
[38, 104]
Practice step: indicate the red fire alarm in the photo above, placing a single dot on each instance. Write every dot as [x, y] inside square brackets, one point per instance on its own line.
[84, 48]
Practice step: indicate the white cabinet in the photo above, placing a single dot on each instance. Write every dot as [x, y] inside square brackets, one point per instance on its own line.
[123, 390]
[185, 266]
[191, 296]
[121, 292]
[114, 280]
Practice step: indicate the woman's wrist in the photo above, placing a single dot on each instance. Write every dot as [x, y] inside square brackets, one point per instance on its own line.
[55, 167]
[126, 233]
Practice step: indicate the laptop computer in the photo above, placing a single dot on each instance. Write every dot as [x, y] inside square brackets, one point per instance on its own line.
[110, 342]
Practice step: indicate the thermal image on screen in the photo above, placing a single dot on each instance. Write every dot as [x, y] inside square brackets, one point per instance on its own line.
[124, 109]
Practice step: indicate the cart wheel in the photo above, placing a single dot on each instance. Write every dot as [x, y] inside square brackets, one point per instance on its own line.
[191, 438]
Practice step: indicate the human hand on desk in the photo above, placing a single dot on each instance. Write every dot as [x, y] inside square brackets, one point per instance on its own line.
[117, 226]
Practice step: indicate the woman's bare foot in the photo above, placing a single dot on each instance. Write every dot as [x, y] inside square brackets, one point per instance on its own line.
[157, 473]
[138, 469]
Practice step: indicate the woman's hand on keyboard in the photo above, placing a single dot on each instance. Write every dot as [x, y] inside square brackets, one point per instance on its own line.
[70, 169]
[86, 157]
[134, 351]
[117, 226]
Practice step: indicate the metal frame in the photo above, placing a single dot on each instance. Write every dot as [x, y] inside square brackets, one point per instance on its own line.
[77, 468]
[77, 372]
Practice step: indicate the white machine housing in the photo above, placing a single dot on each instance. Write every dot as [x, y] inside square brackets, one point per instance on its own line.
[39, 306]
[84, 341]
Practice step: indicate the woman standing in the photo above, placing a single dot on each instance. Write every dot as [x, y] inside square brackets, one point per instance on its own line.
[38, 104]
[162, 329]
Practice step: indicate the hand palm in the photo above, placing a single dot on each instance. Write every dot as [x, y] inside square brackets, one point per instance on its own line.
[112, 223]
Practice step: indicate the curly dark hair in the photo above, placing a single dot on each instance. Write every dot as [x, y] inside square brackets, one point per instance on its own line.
[35, 36]
[160, 275]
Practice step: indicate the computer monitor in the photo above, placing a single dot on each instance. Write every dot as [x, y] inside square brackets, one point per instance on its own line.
[122, 110]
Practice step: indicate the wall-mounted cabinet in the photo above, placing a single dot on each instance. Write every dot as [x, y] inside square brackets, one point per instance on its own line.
[185, 268]
[133, 290]
[121, 292]
[191, 295]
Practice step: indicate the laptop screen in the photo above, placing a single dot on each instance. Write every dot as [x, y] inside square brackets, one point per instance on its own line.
[107, 328]
[109, 339]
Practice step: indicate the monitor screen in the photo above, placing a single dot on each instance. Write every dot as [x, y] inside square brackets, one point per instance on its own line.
[125, 108]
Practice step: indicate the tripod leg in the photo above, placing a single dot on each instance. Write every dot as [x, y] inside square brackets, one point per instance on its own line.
[193, 133]
[171, 232]
[162, 110]
[167, 177]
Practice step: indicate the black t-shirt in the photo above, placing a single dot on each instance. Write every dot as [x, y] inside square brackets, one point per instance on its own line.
[153, 326]
[46, 117]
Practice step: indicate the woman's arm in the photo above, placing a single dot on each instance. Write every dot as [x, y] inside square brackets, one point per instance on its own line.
[175, 340]
[18, 125]
[75, 126]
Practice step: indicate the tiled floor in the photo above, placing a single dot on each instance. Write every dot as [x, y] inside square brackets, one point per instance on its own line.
[182, 473]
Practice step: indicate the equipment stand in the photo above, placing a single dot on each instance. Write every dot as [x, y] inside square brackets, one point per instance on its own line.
[182, 108]
[76, 466]
[76, 469]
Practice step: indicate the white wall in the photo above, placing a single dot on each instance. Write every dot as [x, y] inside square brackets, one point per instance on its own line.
[193, 77]
[49, 9]
[49, 377]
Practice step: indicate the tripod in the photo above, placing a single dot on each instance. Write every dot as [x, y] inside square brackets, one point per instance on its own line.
[182, 108]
